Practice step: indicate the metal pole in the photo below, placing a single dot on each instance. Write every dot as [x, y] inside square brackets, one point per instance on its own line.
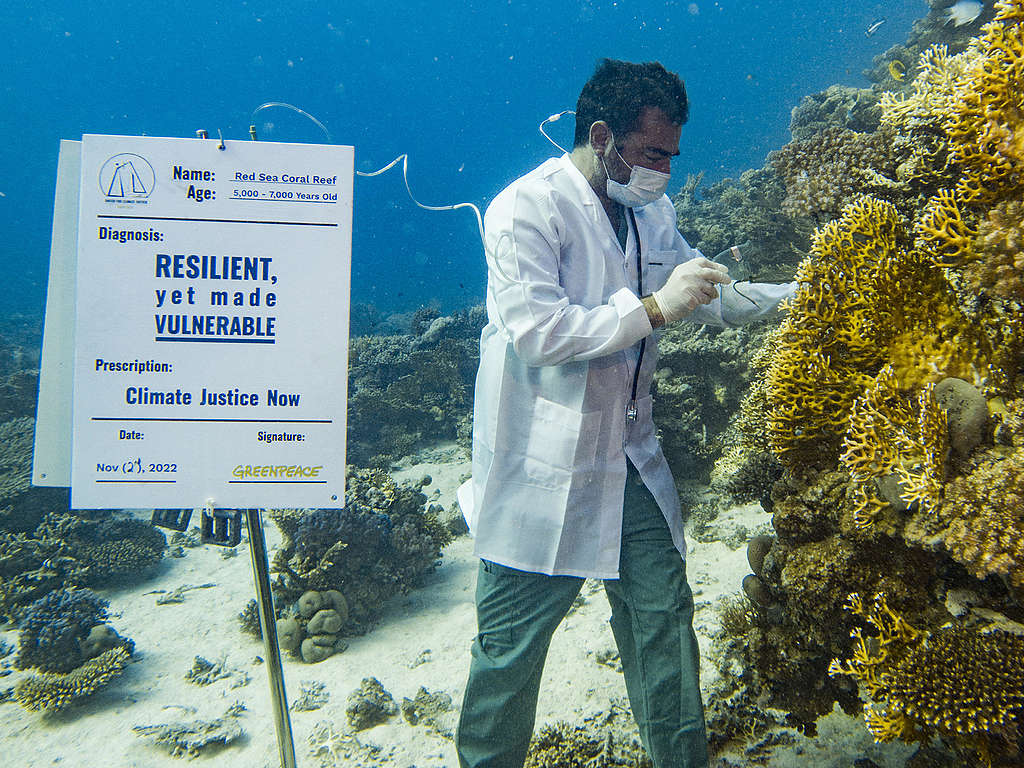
[268, 623]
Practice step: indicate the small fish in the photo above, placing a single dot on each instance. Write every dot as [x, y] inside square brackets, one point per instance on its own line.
[873, 27]
[2, 194]
[963, 12]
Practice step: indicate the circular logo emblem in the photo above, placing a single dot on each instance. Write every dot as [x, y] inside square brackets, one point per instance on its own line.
[127, 177]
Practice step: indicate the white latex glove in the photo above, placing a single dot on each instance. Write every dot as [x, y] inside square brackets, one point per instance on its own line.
[690, 284]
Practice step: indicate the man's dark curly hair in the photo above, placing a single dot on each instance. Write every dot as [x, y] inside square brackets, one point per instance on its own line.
[618, 91]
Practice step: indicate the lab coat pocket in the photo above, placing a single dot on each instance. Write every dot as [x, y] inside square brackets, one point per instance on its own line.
[659, 266]
[560, 441]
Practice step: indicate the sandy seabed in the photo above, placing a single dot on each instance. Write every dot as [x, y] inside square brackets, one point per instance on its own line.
[422, 641]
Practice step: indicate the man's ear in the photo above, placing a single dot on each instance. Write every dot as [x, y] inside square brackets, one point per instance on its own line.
[600, 135]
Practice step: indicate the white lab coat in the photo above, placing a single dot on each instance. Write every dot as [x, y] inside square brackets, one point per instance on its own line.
[557, 364]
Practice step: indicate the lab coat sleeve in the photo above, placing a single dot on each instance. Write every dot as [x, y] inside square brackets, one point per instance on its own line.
[523, 242]
[737, 303]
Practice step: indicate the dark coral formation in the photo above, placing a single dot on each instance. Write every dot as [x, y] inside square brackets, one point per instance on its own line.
[369, 705]
[830, 168]
[43, 545]
[64, 636]
[744, 211]
[701, 376]
[55, 628]
[42, 549]
[413, 389]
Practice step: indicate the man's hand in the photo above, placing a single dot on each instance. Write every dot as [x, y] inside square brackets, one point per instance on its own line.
[690, 284]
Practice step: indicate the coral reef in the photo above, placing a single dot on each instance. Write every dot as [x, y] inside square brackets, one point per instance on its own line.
[54, 627]
[916, 693]
[985, 513]
[191, 738]
[313, 694]
[997, 268]
[411, 389]
[52, 691]
[206, 672]
[831, 168]
[44, 547]
[838, 106]
[851, 315]
[369, 705]
[563, 745]
[16, 438]
[701, 375]
[742, 212]
[428, 709]
[891, 398]
[336, 568]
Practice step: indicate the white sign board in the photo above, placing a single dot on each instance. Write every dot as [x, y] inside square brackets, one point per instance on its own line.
[51, 457]
[211, 324]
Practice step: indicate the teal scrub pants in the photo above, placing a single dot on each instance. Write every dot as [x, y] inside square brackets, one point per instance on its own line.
[652, 614]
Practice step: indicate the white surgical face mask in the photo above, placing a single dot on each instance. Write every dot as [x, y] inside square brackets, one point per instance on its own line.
[644, 185]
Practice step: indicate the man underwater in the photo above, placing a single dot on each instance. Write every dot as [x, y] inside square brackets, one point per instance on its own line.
[569, 482]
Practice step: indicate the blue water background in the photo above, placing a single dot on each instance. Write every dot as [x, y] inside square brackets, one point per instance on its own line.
[460, 86]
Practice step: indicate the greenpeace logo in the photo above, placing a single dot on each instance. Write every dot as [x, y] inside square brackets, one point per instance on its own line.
[275, 471]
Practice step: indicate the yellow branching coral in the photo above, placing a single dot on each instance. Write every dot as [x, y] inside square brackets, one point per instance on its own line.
[985, 121]
[891, 434]
[918, 119]
[922, 474]
[867, 505]
[942, 232]
[835, 335]
[864, 300]
[53, 691]
[955, 682]
[879, 430]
